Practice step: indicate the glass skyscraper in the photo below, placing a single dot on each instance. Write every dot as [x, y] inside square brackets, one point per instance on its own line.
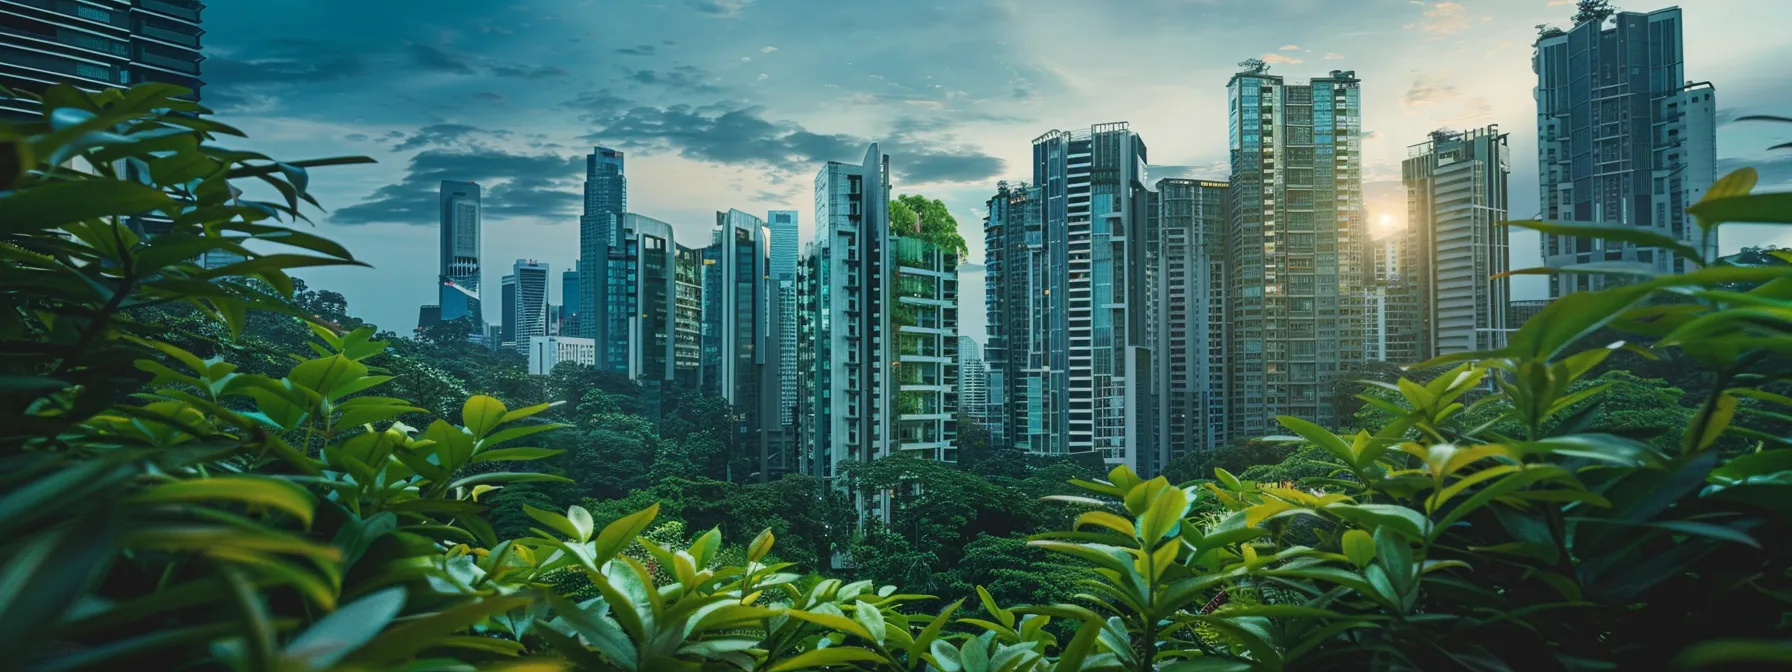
[459, 276]
[737, 318]
[530, 309]
[600, 233]
[1623, 138]
[1189, 314]
[1297, 238]
[786, 244]
[97, 44]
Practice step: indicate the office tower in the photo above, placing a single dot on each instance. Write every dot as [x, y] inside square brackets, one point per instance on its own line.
[531, 307]
[1025, 387]
[1189, 314]
[600, 232]
[1623, 139]
[973, 382]
[1455, 244]
[554, 310]
[1297, 240]
[507, 313]
[459, 282]
[687, 317]
[1520, 312]
[652, 308]
[547, 352]
[737, 317]
[428, 315]
[786, 245]
[96, 45]
[845, 399]
[569, 301]
[1092, 198]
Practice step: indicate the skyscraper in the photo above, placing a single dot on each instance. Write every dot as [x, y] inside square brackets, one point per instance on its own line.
[96, 45]
[786, 244]
[1092, 196]
[1623, 138]
[530, 318]
[687, 317]
[1297, 238]
[737, 318]
[569, 302]
[1455, 244]
[600, 231]
[973, 382]
[459, 280]
[507, 313]
[1189, 315]
[1024, 387]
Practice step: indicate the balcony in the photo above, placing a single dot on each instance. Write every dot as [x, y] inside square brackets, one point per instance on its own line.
[185, 11]
[169, 36]
[165, 62]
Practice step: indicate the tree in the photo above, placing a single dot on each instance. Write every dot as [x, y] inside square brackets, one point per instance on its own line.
[1593, 11]
[913, 215]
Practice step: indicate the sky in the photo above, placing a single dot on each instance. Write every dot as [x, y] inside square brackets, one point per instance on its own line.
[724, 104]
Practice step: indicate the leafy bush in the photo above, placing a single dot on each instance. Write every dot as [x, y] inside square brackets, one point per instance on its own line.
[164, 510]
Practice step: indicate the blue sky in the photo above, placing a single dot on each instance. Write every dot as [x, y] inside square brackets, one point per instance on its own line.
[735, 103]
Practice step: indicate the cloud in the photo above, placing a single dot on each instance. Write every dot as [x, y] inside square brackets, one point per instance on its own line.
[489, 96]
[767, 49]
[638, 50]
[1334, 57]
[441, 60]
[1727, 115]
[720, 8]
[1278, 58]
[1775, 169]
[282, 61]
[446, 135]
[1289, 47]
[729, 133]
[684, 78]
[1428, 91]
[516, 184]
[1442, 18]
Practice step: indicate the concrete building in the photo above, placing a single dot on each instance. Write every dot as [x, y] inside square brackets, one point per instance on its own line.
[546, 352]
[1297, 239]
[1188, 319]
[924, 323]
[460, 250]
[600, 233]
[97, 44]
[528, 316]
[1455, 244]
[1623, 138]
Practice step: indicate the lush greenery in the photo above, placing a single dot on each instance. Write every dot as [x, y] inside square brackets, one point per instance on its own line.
[222, 469]
[917, 216]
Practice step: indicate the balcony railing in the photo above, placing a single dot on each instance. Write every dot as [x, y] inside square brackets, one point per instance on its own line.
[181, 11]
[170, 36]
[175, 64]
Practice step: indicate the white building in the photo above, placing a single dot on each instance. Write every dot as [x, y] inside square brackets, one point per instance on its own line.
[546, 352]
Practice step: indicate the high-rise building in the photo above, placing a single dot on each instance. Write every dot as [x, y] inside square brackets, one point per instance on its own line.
[547, 352]
[600, 233]
[529, 316]
[1455, 244]
[923, 314]
[1390, 304]
[1623, 138]
[97, 44]
[739, 352]
[1026, 383]
[459, 280]
[569, 301]
[1189, 314]
[973, 383]
[507, 313]
[1298, 239]
[687, 317]
[844, 393]
[786, 245]
[1092, 200]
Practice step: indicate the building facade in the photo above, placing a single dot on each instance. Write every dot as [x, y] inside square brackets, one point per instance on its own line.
[528, 316]
[600, 233]
[459, 278]
[924, 322]
[738, 353]
[687, 316]
[546, 352]
[1189, 314]
[786, 247]
[973, 383]
[96, 45]
[1297, 237]
[1026, 382]
[1623, 139]
[1455, 245]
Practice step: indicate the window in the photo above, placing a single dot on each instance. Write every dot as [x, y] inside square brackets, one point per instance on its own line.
[90, 71]
[93, 13]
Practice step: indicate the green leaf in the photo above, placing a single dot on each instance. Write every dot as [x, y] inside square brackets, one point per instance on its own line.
[835, 622]
[1736, 654]
[556, 521]
[1570, 318]
[1412, 524]
[1755, 208]
[481, 415]
[406, 639]
[508, 477]
[1714, 421]
[1359, 547]
[335, 636]
[833, 655]
[257, 490]
[1764, 466]
[515, 455]
[1625, 233]
[1319, 436]
[56, 204]
[617, 535]
[1164, 514]
[868, 615]
[761, 545]
[581, 522]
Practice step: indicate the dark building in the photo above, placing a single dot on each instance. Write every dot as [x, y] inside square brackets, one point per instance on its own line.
[600, 239]
[97, 44]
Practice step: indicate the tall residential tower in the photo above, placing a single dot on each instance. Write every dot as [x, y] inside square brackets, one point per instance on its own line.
[600, 232]
[1454, 245]
[1189, 321]
[458, 281]
[96, 45]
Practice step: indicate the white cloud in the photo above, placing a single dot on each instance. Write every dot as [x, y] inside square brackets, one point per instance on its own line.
[763, 76]
[768, 49]
[744, 59]
[1442, 18]
[1278, 58]
[1289, 47]
[1334, 57]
